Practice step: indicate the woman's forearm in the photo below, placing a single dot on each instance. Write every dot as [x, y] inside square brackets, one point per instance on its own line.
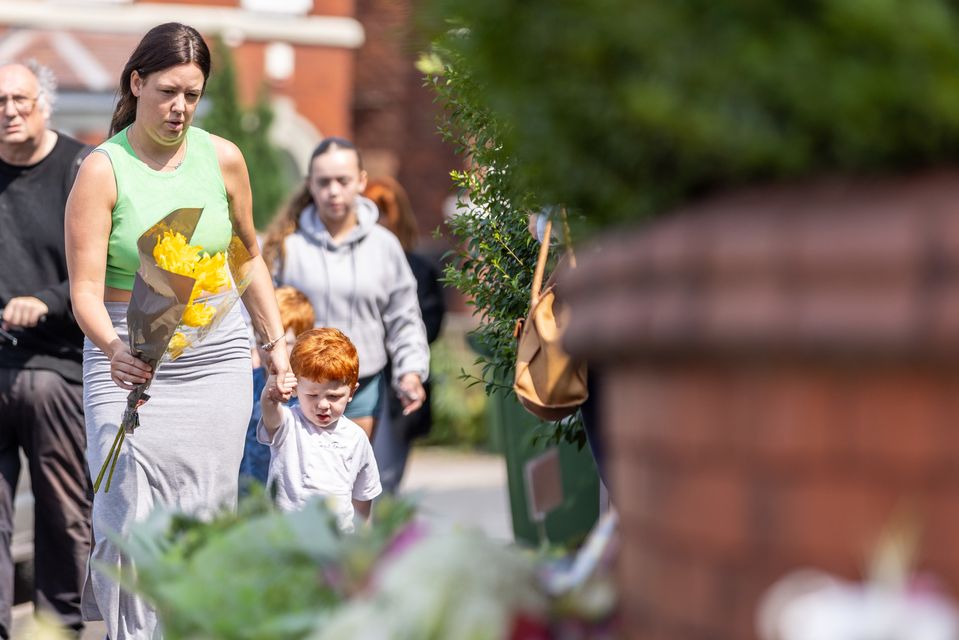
[260, 301]
[94, 321]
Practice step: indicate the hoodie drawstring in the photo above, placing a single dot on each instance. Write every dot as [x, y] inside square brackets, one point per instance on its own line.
[353, 291]
[312, 228]
[329, 295]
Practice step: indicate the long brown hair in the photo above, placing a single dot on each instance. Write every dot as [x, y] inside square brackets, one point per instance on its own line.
[164, 46]
[396, 213]
[287, 220]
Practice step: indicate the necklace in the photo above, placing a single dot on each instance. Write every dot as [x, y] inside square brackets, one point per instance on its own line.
[139, 150]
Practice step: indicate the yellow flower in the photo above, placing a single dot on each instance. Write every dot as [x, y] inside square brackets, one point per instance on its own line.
[211, 273]
[172, 253]
[177, 344]
[198, 314]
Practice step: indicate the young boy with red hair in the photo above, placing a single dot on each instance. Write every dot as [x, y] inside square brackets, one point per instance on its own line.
[296, 314]
[314, 449]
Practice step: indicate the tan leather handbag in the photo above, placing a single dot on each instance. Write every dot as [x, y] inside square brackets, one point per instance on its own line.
[548, 382]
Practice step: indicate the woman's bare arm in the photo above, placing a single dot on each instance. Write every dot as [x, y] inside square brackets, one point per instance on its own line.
[89, 219]
[259, 298]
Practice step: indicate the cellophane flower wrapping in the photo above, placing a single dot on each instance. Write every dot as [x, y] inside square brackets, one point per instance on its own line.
[180, 294]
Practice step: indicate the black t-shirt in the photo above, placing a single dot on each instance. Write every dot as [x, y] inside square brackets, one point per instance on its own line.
[33, 260]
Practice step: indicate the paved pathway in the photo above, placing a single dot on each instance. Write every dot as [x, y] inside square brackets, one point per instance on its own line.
[460, 489]
[452, 488]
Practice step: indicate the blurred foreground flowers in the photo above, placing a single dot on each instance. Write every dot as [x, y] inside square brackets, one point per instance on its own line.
[894, 602]
[261, 573]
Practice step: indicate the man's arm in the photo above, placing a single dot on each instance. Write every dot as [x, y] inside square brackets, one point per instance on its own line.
[24, 312]
[27, 311]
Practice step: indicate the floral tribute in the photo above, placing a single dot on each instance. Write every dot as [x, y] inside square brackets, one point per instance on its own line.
[172, 253]
[179, 295]
[260, 573]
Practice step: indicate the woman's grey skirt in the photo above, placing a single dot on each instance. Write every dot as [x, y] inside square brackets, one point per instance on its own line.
[184, 455]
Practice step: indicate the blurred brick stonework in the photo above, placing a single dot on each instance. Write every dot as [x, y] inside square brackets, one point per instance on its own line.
[394, 115]
[779, 384]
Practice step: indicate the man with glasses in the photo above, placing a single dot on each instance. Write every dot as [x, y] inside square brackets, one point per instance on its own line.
[41, 403]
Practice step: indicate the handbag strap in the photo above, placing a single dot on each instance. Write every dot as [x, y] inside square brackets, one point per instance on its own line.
[540, 271]
[567, 239]
[541, 264]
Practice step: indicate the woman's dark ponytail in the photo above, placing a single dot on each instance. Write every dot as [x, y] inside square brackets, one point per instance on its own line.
[126, 110]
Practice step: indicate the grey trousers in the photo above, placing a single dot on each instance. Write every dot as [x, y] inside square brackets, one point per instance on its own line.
[42, 414]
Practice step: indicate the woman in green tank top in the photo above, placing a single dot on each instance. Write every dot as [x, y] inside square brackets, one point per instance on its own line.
[186, 454]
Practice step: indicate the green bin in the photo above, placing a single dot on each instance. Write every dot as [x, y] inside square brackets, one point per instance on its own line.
[511, 431]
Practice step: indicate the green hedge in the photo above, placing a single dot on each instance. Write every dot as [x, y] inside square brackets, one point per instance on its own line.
[494, 260]
[624, 108]
[459, 405]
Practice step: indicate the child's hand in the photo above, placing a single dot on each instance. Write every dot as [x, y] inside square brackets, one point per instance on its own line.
[269, 390]
[275, 392]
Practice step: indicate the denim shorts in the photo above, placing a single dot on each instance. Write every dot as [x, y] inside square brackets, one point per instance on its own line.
[368, 398]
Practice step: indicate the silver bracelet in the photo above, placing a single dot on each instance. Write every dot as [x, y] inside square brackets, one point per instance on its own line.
[269, 346]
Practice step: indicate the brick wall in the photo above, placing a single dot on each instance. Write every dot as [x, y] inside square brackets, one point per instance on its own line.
[394, 117]
[779, 381]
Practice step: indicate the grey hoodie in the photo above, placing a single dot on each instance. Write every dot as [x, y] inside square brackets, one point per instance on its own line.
[362, 286]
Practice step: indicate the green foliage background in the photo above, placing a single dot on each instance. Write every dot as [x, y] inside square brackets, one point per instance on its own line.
[459, 407]
[493, 265]
[624, 109]
[621, 109]
[270, 175]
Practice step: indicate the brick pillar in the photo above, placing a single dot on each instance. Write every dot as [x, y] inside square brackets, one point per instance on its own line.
[781, 374]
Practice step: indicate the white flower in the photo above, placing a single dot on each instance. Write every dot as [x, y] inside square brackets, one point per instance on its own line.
[446, 586]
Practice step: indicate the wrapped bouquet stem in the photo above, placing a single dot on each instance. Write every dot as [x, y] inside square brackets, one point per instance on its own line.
[180, 294]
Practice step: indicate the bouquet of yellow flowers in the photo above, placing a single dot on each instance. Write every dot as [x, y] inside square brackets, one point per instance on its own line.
[179, 295]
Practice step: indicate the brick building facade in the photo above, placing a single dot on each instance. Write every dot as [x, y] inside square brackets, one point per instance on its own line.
[332, 67]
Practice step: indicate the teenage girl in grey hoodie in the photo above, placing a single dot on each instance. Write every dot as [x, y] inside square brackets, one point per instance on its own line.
[328, 245]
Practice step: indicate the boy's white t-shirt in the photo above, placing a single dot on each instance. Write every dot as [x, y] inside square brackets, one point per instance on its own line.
[308, 461]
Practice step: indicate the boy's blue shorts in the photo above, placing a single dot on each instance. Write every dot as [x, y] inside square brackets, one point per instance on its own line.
[368, 398]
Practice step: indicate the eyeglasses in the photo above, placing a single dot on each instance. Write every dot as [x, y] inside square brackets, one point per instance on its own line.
[22, 104]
